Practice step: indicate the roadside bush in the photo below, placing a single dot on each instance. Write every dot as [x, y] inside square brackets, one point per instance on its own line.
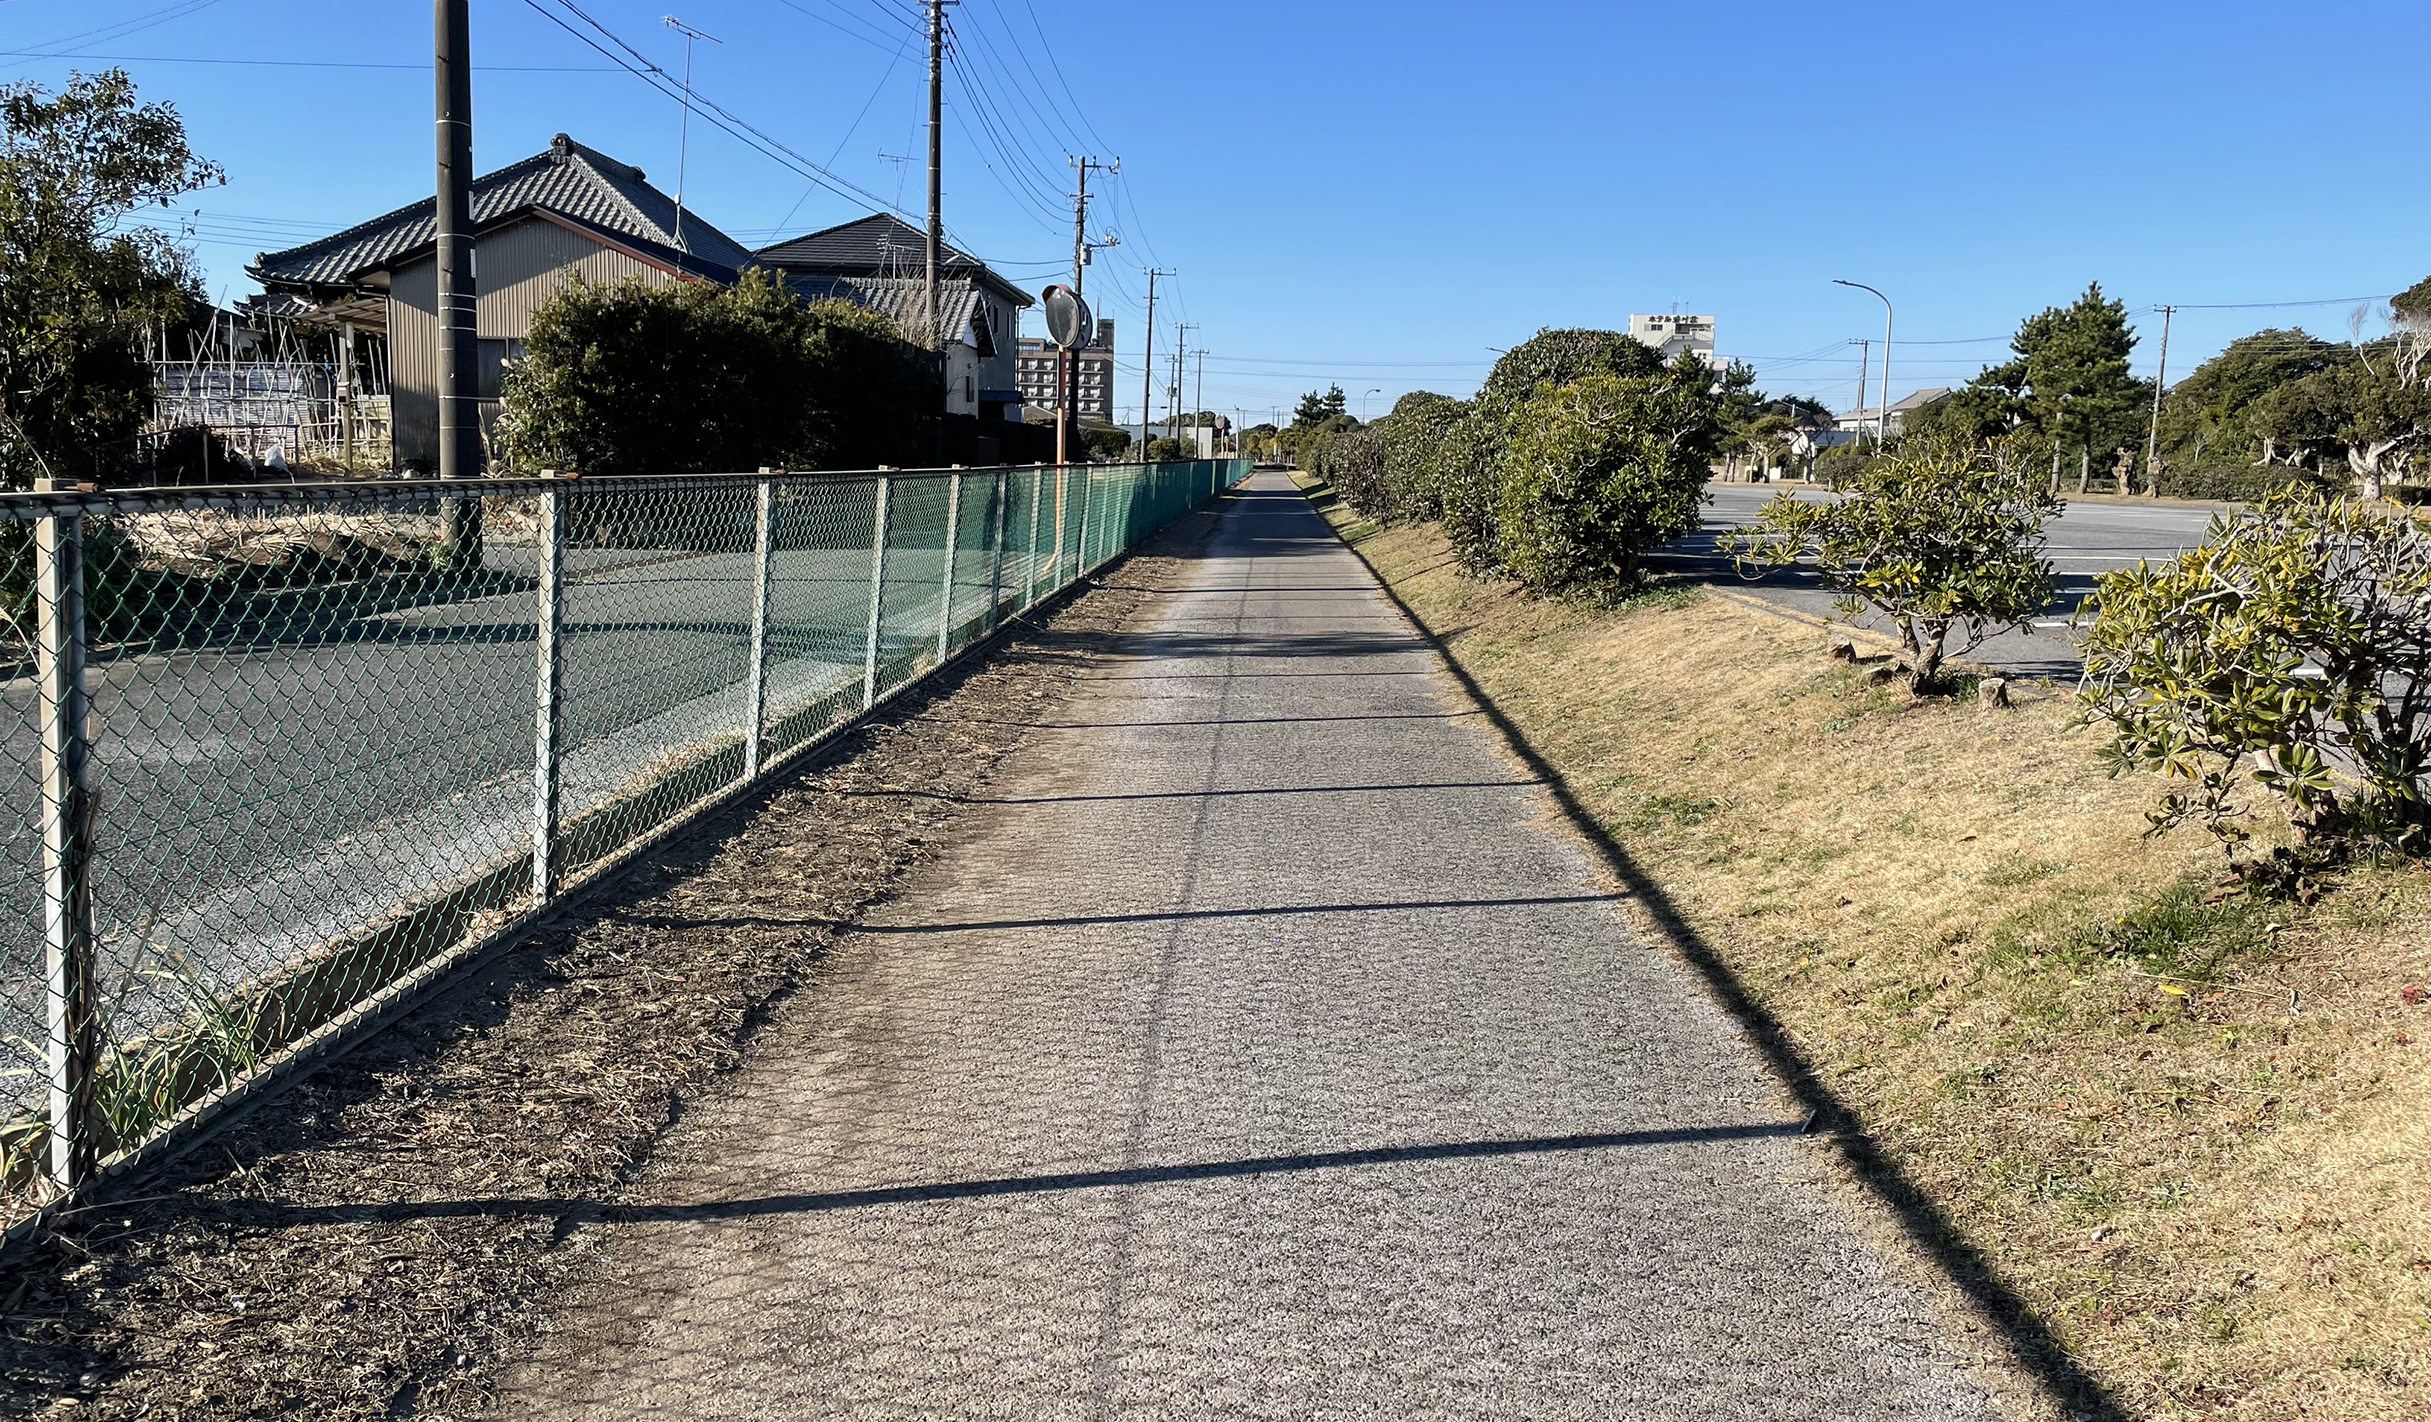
[1466, 481]
[1597, 471]
[1842, 464]
[691, 377]
[1461, 471]
[2296, 639]
[1353, 462]
[1939, 536]
[1410, 436]
[2245, 482]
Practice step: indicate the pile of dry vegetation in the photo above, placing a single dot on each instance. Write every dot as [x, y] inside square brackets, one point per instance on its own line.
[2180, 1129]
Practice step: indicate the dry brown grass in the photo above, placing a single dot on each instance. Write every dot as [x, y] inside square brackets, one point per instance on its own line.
[2218, 1205]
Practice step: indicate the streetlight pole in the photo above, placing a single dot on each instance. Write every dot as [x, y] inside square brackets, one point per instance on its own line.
[1379, 390]
[1882, 414]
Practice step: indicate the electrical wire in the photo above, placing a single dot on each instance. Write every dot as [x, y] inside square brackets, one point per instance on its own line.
[62, 48]
[314, 63]
[712, 111]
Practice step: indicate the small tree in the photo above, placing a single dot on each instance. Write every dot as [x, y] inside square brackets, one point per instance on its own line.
[1936, 535]
[77, 281]
[2297, 637]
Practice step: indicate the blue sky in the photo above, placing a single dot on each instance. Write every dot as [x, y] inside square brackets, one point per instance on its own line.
[1380, 195]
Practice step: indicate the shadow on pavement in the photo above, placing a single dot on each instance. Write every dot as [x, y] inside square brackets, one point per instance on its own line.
[571, 1213]
[1923, 1221]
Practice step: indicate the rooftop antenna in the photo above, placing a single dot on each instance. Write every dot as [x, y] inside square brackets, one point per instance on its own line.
[898, 159]
[683, 139]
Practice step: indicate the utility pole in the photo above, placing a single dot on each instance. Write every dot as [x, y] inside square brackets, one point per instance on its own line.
[459, 335]
[1148, 358]
[1181, 353]
[1198, 399]
[683, 132]
[1080, 216]
[1069, 412]
[1865, 348]
[936, 228]
[2152, 436]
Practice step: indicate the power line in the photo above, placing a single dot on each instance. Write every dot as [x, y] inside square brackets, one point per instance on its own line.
[2272, 305]
[736, 127]
[61, 48]
[314, 63]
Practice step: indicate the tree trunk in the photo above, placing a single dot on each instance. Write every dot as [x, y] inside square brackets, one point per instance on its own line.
[2055, 464]
[2084, 468]
[1925, 637]
[2366, 464]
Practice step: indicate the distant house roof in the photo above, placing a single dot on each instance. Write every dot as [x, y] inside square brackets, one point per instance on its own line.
[881, 246]
[579, 186]
[898, 298]
[1915, 401]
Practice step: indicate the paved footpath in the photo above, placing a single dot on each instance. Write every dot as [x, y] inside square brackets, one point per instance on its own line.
[1262, 1049]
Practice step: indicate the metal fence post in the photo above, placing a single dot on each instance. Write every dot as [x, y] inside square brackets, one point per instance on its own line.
[877, 596]
[953, 534]
[1029, 562]
[1063, 487]
[1080, 559]
[755, 694]
[67, 843]
[1003, 489]
[547, 719]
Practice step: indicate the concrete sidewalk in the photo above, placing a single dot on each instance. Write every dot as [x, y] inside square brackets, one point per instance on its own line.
[1261, 1049]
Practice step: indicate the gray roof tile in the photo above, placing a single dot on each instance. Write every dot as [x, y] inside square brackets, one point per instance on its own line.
[568, 178]
[880, 246]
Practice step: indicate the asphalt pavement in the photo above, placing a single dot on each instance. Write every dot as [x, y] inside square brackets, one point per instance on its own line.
[1259, 1048]
[2088, 538]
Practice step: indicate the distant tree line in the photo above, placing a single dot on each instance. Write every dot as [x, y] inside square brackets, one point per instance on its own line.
[2273, 408]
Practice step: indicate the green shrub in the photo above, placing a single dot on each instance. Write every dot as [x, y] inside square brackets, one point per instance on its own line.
[1843, 464]
[2295, 639]
[1597, 471]
[692, 377]
[1353, 462]
[1417, 428]
[1461, 472]
[2246, 482]
[1465, 476]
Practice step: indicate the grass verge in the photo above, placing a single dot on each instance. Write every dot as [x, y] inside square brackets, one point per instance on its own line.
[2187, 1137]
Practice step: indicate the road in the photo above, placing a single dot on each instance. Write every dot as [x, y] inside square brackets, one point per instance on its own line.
[2086, 539]
[1257, 1048]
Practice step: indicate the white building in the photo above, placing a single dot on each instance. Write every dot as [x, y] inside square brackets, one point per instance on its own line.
[1672, 333]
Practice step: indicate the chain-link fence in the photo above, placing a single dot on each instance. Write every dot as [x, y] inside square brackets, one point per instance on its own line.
[279, 754]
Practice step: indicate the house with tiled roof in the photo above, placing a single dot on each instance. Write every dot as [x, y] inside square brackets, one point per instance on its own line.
[567, 212]
[881, 262]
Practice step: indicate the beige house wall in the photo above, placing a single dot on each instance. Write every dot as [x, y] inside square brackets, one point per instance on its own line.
[515, 270]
